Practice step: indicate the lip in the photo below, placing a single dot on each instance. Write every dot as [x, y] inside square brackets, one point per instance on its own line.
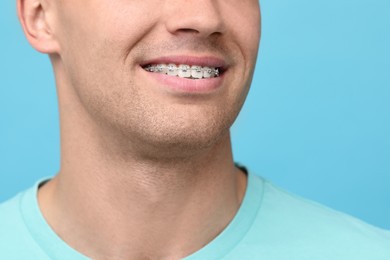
[179, 85]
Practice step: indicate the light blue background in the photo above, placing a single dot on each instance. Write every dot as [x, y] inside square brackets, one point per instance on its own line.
[317, 120]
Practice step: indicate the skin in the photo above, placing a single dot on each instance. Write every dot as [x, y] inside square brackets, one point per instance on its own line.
[155, 166]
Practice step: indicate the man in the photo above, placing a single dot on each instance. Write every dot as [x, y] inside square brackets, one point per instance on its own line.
[147, 93]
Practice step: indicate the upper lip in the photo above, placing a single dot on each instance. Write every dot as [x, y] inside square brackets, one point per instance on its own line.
[204, 61]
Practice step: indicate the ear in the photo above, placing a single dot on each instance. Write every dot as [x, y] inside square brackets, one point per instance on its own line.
[33, 15]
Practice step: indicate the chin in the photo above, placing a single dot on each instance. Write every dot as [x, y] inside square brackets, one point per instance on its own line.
[181, 142]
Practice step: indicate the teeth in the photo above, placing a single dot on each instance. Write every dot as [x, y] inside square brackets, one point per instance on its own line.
[162, 68]
[207, 72]
[196, 72]
[172, 70]
[184, 71]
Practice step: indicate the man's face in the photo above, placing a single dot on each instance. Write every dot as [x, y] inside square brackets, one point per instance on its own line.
[106, 45]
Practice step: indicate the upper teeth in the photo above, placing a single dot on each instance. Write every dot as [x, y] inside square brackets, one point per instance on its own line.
[184, 71]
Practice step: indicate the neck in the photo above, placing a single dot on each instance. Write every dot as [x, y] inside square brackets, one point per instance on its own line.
[126, 207]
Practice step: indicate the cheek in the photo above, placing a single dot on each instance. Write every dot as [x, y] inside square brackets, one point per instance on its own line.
[95, 50]
[121, 24]
[245, 29]
[106, 25]
[243, 19]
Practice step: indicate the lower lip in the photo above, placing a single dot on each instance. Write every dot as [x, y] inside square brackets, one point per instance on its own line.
[187, 86]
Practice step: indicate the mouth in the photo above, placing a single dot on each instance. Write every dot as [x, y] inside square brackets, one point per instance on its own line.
[187, 74]
[188, 67]
[195, 72]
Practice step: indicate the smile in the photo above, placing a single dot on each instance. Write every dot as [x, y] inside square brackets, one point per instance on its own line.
[184, 71]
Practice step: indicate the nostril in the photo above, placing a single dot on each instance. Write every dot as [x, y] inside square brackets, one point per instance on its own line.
[188, 30]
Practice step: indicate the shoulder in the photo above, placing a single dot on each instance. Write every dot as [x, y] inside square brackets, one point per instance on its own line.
[10, 217]
[15, 239]
[288, 225]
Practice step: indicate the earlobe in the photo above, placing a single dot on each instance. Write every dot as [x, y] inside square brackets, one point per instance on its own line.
[33, 17]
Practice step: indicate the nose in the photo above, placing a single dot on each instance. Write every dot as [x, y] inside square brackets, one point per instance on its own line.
[200, 17]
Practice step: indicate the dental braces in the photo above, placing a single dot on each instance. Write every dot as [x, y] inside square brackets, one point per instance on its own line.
[197, 72]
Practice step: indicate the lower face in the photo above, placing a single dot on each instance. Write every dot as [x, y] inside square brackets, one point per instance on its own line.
[116, 61]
